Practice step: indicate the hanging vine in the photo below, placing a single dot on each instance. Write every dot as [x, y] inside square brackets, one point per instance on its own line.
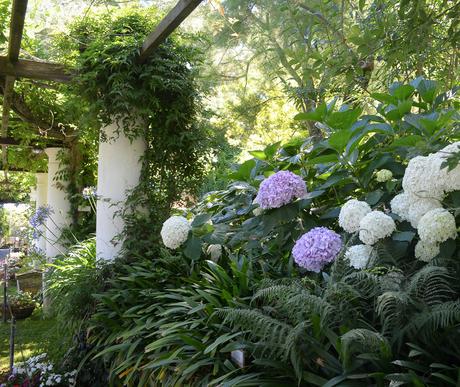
[158, 100]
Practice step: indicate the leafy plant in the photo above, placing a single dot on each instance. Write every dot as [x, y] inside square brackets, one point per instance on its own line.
[70, 284]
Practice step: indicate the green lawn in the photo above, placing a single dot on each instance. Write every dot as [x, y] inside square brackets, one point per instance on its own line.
[33, 335]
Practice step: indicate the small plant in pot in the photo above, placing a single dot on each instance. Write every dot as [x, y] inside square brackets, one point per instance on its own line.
[21, 305]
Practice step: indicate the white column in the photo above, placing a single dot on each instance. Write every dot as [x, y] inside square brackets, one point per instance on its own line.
[119, 169]
[57, 199]
[41, 199]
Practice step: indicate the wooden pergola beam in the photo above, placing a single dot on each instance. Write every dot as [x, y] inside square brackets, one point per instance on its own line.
[18, 16]
[33, 144]
[35, 70]
[167, 25]
[15, 169]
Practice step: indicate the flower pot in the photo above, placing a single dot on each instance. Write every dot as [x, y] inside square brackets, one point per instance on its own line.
[20, 313]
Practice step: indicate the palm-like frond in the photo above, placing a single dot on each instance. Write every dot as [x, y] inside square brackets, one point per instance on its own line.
[364, 341]
[391, 307]
[431, 285]
[439, 317]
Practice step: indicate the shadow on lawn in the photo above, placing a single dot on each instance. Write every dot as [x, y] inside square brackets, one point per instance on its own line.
[33, 335]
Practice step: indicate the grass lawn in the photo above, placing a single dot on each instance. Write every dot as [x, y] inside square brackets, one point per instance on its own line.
[33, 335]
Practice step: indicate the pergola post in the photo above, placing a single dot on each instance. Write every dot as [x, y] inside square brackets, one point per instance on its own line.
[41, 199]
[57, 199]
[119, 169]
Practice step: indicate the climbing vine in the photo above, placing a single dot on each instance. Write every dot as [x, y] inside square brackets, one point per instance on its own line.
[158, 100]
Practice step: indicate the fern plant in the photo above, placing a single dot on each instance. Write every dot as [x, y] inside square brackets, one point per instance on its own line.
[352, 325]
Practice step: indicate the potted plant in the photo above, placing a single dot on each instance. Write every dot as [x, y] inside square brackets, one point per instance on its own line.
[21, 305]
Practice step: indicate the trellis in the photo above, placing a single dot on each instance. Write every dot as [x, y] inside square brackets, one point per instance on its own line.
[12, 67]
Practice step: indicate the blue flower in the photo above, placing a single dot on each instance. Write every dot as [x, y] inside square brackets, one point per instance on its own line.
[40, 216]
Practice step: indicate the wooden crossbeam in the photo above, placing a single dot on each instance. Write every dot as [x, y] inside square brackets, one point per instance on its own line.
[15, 169]
[32, 144]
[18, 15]
[35, 70]
[167, 25]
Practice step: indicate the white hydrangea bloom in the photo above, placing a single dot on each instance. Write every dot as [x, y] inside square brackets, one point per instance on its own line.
[383, 175]
[175, 231]
[359, 255]
[374, 226]
[420, 207]
[400, 205]
[451, 178]
[426, 251]
[421, 178]
[215, 251]
[437, 226]
[351, 214]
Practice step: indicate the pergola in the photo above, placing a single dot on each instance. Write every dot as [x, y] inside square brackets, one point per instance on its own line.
[118, 163]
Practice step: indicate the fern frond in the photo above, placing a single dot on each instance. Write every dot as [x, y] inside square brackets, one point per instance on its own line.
[368, 284]
[259, 326]
[431, 284]
[391, 307]
[296, 303]
[277, 292]
[439, 317]
[393, 281]
[364, 341]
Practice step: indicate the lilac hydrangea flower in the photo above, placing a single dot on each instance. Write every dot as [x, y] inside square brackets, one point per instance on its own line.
[40, 216]
[280, 189]
[316, 248]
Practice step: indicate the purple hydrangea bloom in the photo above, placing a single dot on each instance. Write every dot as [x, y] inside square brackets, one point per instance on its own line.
[280, 189]
[40, 216]
[316, 248]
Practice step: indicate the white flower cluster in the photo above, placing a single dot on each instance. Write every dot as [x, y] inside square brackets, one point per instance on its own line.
[383, 175]
[356, 216]
[374, 226]
[359, 255]
[175, 231]
[437, 226]
[426, 251]
[425, 178]
[37, 365]
[351, 214]
[425, 184]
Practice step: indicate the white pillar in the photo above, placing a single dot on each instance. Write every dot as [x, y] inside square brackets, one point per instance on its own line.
[41, 199]
[119, 169]
[57, 199]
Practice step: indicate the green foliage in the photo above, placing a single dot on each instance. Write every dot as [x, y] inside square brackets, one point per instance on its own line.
[299, 328]
[341, 166]
[319, 49]
[157, 100]
[70, 285]
[15, 187]
[156, 324]
[4, 224]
